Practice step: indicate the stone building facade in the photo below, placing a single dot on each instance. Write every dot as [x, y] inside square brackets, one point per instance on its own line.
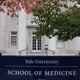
[17, 38]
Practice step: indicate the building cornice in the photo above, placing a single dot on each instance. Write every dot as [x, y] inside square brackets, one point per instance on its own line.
[31, 26]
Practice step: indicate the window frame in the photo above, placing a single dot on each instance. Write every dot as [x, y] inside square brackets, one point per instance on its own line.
[60, 43]
[36, 50]
[12, 35]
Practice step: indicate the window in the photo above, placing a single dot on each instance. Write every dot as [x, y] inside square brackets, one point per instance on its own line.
[36, 43]
[13, 39]
[60, 44]
[14, 18]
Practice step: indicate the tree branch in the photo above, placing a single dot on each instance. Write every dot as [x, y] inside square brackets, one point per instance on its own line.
[1, 1]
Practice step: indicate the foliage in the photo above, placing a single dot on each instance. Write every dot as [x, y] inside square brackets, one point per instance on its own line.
[45, 17]
[54, 22]
[27, 5]
[69, 24]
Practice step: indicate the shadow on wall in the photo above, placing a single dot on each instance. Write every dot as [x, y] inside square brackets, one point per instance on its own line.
[0, 54]
[79, 53]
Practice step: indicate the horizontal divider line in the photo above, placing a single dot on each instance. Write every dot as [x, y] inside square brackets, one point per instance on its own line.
[41, 79]
[39, 66]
